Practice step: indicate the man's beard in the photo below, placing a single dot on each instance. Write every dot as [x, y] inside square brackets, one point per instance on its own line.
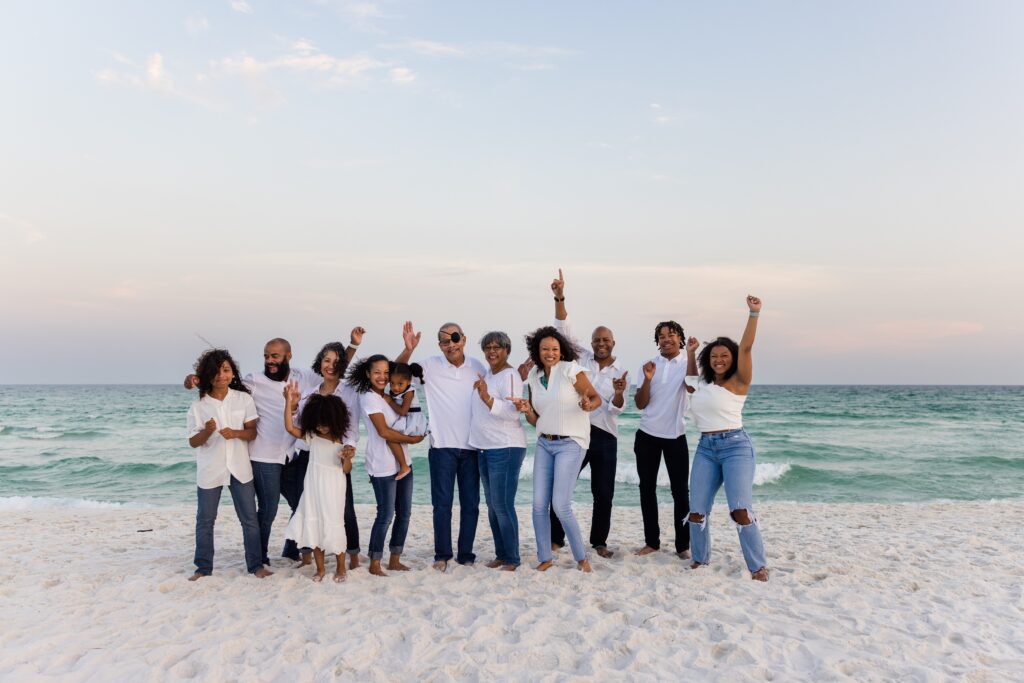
[282, 372]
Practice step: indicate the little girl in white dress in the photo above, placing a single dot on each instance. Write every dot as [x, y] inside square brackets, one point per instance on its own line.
[401, 397]
[319, 519]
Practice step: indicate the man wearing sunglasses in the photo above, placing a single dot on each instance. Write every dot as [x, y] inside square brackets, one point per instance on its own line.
[448, 381]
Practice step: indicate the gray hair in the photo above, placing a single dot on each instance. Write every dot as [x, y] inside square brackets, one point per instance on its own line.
[455, 325]
[499, 338]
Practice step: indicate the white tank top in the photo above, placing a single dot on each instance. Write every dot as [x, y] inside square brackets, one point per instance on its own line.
[714, 408]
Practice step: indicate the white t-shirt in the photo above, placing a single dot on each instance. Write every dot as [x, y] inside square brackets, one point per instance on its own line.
[558, 405]
[351, 399]
[663, 416]
[606, 417]
[219, 459]
[450, 393]
[498, 426]
[274, 444]
[379, 460]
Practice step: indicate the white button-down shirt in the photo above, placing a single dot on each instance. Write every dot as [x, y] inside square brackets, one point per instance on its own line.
[450, 394]
[219, 459]
[498, 426]
[606, 417]
[663, 416]
[273, 443]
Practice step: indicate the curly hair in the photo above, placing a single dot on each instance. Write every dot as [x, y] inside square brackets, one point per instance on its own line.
[207, 367]
[324, 411]
[570, 351]
[671, 325]
[359, 374]
[339, 349]
[704, 359]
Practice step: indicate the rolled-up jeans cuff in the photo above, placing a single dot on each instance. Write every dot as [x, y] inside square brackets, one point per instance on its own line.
[354, 551]
[396, 549]
[378, 555]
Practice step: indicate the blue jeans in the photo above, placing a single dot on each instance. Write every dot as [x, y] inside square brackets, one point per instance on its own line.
[394, 500]
[729, 458]
[446, 466]
[556, 464]
[499, 471]
[267, 478]
[244, 498]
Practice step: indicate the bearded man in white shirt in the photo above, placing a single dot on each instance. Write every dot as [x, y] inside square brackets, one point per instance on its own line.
[449, 383]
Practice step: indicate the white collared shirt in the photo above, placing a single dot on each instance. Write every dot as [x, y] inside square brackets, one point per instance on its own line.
[663, 416]
[379, 460]
[558, 404]
[219, 459]
[498, 426]
[350, 398]
[607, 416]
[450, 394]
[273, 443]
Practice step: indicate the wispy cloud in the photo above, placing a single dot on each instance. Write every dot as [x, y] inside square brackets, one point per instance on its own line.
[20, 230]
[196, 25]
[152, 76]
[241, 6]
[659, 115]
[516, 55]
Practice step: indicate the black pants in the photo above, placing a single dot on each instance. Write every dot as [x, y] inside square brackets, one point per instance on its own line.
[648, 450]
[292, 478]
[601, 456]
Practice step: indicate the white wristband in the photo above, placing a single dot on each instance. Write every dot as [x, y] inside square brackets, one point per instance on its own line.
[754, 314]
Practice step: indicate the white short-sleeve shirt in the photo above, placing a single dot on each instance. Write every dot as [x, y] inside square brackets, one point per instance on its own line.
[558, 404]
[219, 459]
[498, 426]
[606, 416]
[450, 393]
[663, 416]
[379, 460]
[273, 443]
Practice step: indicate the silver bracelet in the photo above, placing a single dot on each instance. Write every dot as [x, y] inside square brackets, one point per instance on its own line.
[754, 314]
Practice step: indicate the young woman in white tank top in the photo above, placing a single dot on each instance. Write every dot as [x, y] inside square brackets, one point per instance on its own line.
[718, 383]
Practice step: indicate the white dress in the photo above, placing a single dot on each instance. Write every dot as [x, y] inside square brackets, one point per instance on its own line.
[414, 423]
[319, 520]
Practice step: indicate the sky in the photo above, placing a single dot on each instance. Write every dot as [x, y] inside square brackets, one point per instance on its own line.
[237, 170]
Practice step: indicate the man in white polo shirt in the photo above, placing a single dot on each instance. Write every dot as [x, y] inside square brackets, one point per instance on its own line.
[448, 381]
[662, 399]
[609, 379]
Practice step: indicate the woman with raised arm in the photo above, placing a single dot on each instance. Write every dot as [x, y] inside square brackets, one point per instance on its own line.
[718, 382]
[560, 398]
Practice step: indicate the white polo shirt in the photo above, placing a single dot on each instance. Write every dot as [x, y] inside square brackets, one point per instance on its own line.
[379, 460]
[607, 416]
[273, 443]
[450, 394]
[663, 416]
[219, 459]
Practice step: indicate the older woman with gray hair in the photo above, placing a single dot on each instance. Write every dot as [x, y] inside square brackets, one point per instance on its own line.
[497, 435]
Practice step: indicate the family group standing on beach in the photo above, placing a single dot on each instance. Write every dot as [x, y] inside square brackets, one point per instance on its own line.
[293, 432]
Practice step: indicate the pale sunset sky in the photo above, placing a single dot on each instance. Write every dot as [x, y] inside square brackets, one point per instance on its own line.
[245, 169]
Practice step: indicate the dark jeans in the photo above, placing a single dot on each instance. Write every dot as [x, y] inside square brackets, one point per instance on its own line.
[648, 450]
[394, 500]
[499, 471]
[244, 498]
[446, 466]
[602, 459]
[267, 478]
[292, 477]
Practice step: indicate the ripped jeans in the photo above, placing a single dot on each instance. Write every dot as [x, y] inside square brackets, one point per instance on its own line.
[729, 458]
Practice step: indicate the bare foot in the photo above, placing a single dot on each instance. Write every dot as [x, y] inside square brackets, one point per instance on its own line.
[305, 560]
[760, 575]
[495, 564]
[262, 573]
[318, 577]
[395, 565]
[403, 472]
[509, 567]
[340, 577]
[604, 552]
[555, 547]
[544, 566]
[441, 565]
[375, 568]
[696, 565]
[683, 554]
[196, 576]
[646, 550]
[584, 566]
[353, 560]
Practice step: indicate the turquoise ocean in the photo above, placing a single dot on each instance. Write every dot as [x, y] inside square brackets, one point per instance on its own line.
[98, 446]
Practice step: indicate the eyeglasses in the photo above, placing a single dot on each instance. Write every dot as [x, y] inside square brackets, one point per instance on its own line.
[453, 338]
[493, 347]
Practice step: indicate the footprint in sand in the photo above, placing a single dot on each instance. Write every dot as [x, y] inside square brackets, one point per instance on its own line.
[50, 583]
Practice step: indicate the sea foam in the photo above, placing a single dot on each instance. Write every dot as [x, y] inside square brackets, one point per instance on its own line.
[41, 503]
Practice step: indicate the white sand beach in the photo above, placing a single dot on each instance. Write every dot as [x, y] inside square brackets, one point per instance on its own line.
[858, 592]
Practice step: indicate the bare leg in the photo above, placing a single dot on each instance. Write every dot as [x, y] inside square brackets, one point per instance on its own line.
[403, 467]
[339, 573]
[321, 568]
[307, 559]
[395, 564]
[375, 568]
[353, 560]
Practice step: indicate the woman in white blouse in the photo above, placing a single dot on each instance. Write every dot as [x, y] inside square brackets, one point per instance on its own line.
[497, 434]
[560, 398]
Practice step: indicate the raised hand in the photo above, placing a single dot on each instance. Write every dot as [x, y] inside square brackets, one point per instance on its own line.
[524, 368]
[521, 404]
[292, 395]
[649, 368]
[558, 285]
[410, 337]
[481, 388]
[620, 384]
[356, 336]
[692, 344]
[753, 303]
[191, 382]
